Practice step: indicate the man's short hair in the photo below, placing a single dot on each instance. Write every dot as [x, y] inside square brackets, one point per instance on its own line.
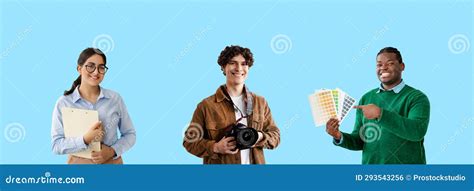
[231, 51]
[391, 50]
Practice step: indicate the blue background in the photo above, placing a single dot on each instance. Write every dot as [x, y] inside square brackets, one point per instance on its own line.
[162, 59]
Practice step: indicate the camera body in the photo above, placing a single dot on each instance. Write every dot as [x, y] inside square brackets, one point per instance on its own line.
[244, 136]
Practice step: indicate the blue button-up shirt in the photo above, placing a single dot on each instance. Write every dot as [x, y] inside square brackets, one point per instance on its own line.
[395, 89]
[112, 113]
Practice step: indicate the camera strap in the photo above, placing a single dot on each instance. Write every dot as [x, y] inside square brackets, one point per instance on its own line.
[248, 101]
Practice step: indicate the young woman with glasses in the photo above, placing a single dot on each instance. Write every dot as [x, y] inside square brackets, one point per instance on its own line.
[86, 93]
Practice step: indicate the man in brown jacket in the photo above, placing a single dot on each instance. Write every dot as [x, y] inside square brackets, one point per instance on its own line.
[232, 103]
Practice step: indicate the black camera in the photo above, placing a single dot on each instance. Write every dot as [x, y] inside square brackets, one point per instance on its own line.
[244, 136]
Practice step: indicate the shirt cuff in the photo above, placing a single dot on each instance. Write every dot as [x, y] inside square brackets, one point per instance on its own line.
[261, 143]
[79, 143]
[117, 152]
[210, 151]
[338, 142]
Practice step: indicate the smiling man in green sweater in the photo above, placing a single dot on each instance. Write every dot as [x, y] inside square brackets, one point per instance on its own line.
[391, 120]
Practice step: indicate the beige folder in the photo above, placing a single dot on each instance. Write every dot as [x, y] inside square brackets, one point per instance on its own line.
[76, 123]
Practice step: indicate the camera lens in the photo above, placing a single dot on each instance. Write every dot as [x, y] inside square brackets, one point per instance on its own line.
[246, 137]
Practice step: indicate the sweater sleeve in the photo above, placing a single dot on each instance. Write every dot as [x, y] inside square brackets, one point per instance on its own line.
[352, 141]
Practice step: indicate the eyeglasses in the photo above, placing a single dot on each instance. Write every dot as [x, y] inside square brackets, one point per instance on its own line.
[91, 68]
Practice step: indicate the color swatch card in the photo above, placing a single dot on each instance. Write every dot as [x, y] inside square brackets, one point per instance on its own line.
[327, 104]
[346, 103]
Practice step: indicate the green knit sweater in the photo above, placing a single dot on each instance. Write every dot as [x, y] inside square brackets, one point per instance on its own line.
[396, 137]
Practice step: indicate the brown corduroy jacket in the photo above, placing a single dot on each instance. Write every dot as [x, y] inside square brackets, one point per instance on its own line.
[214, 114]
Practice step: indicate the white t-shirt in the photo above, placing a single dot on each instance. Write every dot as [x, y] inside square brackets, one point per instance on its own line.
[239, 102]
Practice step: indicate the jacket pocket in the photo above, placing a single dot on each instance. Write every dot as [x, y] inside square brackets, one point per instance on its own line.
[257, 122]
[216, 130]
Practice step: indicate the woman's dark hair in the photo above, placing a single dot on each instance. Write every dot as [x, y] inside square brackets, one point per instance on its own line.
[230, 51]
[85, 54]
[391, 50]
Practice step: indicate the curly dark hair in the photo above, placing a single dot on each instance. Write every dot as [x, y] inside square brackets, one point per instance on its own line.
[231, 51]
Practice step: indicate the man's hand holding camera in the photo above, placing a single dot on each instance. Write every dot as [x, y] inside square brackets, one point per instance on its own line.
[227, 145]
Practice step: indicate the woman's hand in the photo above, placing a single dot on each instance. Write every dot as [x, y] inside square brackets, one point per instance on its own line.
[106, 153]
[94, 134]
